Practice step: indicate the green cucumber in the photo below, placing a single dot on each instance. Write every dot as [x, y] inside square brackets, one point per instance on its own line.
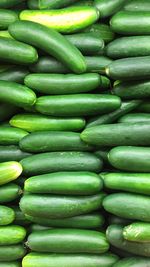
[106, 84]
[137, 5]
[54, 43]
[53, 84]
[54, 4]
[15, 74]
[9, 3]
[7, 111]
[83, 3]
[5, 34]
[128, 205]
[4, 67]
[130, 182]
[133, 68]
[12, 252]
[109, 7]
[20, 218]
[103, 31]
[12, 153]
[16, 52]
[38, 227]
[114, 115]
[118, 134]
[7, 216]
[11, 235]
[68, 241]
[73, 260]
[58, 207]
[144, 107]
[33, 4]
[130, 158]
[9, 192]
[68, 20]
[133, 261]
[11, 135]
[132, 46]
[118, 220]
[9, 171]
[102, 153]
[137, 232]
[85, 221]
[97, 64]
[135, 117]
[7, 17]
[60, 161]
[10, 264]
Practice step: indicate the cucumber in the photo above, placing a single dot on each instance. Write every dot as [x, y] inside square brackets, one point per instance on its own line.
[131, 46]
[130, 158]
[128, 205]
[7, 216]
[109, 7]
[106, 84]
[9, 3]
[20, 218]
[83, 3]
[33, 4]
[5, 34]
[130, 182]
[135, 117]
[103, 31]
[7, 17]
[9, 192]
[68, 20]
[73, 260]
[12, 153]
[37, 227]
[45, 141]
[16, 52]
[54, 43]
[87, 221]
[114, 115]
[11, 135]
[36, 122]
[58, 207]
[144, 107]
[60, 161]
[133, 261]
[133, 68]
[54, 4]
[97, 64]
[65, 183]
[11, 234]
[9, 171]
[137, 5]
[114, 235]
[10, 264]
[56, 84]
[7, 111]
[137, 232]
[15, 74]
[102, 153]
[12, 252]
[68, 241]
[118, 134]
[118, 220]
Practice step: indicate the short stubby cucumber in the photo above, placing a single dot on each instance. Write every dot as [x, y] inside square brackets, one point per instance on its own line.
[7, 17]
[137, 5]
[11, 135]
[7, 215]
[133, 261]
[109, 7]
[15, 252]
[137, 232]
[102, 30]
[9, 192]
[8, 4]
[16, 74]
[9, 171]
[12, 153]
[11, 234]
[135, 117]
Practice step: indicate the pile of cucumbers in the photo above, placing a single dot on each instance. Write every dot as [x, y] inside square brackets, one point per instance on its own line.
[75, 133]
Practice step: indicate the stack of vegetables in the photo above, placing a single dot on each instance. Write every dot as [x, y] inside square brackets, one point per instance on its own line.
[75, 133]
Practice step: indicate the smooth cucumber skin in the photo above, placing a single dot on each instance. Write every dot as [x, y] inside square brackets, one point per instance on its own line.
[131, 23]
[15, 74]
[109, 7]
[137, 5]
[20, 218]
[7, 215]
[130, 158]
[77, 104]
[54, 43]
[11, 135]
[60, 161]
[9, 192]
[130, 182]
[9, 171]
[144, 107]
[114, 235]
[10, 264]
[33, 4]
[16, 52]
[83, 2]
[46, 141]
[58, 207]
[137, 232]
[12, 252]
[118, 134]
[106, 84]
[73, 260]
[103, 31]
[131, 68]
[102, 153]
[63, 84]
[118, 220]
[128, 205]
[12, 153]
[68, 241]
[37, 227]
[68, 20]
[11, 235]
[133, 262]
[5, 33]
[65, 183]
[16, 94]
[9, 3]
[54, 4]
[7, 17]
[7, 111]
[135, 117]
[86, 221]
[97, 64]
[36, 122]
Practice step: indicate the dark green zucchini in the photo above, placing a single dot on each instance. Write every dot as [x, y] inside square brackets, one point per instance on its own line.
[135, 117]
[12, 152]
[15, 74]
[9, 192]
[7, 17]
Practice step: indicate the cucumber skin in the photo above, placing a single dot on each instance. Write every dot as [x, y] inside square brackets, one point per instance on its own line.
[15, 74]
[7, 17]
[74, 260]
[135, 117]
[7, 216]
[5, 112]
[137, 5]
[54, 43]
[114, 235]
[144, 107]
[118, 220]
[11, 235]
[137, 232]
[9, 171]
[10, 135]
[9, 3]
[10, 153]
[133, 262]
[10, 264]
[103, 31]
[15, 252]
[125, 205]
[63, 84]
[130, 158]
[20, 218]
[108, 8]
[64, 206]
[9, 192]
[46, 4]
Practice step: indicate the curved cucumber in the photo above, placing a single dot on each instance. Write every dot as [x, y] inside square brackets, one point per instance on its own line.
[9, 171]
[15, 252]
[10, 135]
[54, 4]
[7, 216]
[9, 3]
[7, 17]
[15, 74]
[9, 192]
[135, 117]
[12, 153]
[63, 84]
[10, 264]
[137, 232]
[144, 107]
[7, 111]
[137, 5]
[130, 158]
[133, 261]
[109, 7]
[11, 234]
[103, 31]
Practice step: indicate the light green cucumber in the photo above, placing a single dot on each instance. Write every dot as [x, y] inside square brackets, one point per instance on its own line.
[9, 192]
[135, 117]
[9, 171]
[15, 252]
[11, 135]
[7, 215]
[137, 232]
[11, 234]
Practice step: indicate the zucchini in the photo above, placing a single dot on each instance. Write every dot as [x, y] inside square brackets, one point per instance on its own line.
[109, 7]
[137, 5]
[74, 260]
[137, 232]
[11, 135]
[15, 74]
[11, 234]
[128, 205]
[130, 158]
[9, 171]
[135, 117]
[10, 264]
[7, 17]
[12, 153]
[58, 207]
[68, 241]
[54, 43]
[9, 192]
[133, 261]
[144, 107]
[12, 252]
[56, 84]
[103, 31]
[36, 122]
[7, 111]
[7, 216]
[53, 4]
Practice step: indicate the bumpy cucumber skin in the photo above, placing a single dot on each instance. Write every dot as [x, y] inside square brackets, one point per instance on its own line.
[10, 135]
[9, 192]
[137, 5]
[133, 262]
[9, 171]
[15, 252]
[54, 43]
[9, 3]
[11, 235]
[7, 215]
[135, 117]
[109, 7]
[12, 153]
[137, 232]
[15, 74]
[7, 17]
[54, 4]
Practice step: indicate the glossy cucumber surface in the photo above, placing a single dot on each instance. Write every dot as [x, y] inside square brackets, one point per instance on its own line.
[11, 235]
[15, 252]
[109, 7]
[10, 264]
[9, 192]
[7, 215]
[16, 74]
[137, 5]
[7, 17]
[9, 171]
[11, 135]
[137, 232]
[54, 4]
[133, 262]
[135, 117]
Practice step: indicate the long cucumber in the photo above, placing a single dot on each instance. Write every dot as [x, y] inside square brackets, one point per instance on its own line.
[135, 117]
[9, 192]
